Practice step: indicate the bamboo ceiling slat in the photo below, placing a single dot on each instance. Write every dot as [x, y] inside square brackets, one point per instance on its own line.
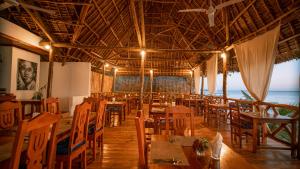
[109, 23]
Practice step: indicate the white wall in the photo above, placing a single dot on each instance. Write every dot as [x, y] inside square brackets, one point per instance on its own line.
[5, 67]
[17, 32]
[70, 83]
[9, 67]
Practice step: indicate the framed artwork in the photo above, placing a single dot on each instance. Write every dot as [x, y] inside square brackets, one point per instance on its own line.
[26, 75]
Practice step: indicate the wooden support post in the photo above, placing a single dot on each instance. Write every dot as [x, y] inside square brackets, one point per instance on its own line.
[202, 79]
[192, 81]
[102, 80]
[142, 82]
[151, 83]
[50, 73]
[224, 56]
[114, 80]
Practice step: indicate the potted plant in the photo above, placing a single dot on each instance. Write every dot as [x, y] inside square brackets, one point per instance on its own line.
[38, 95]
[200, 146]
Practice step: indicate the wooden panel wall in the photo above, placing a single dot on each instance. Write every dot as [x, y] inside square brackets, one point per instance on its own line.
[174, 84]
[96, 82]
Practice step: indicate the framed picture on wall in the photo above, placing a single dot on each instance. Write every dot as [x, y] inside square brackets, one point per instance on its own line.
[26, 75]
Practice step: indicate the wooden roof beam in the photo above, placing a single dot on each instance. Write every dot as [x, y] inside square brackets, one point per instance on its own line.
[135, 22]
[133, 49]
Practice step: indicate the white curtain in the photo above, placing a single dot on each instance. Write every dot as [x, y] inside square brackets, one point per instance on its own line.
[197, 80]
[212, 70]
[255, 61]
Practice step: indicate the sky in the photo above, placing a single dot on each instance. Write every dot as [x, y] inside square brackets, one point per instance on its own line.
[285, 77]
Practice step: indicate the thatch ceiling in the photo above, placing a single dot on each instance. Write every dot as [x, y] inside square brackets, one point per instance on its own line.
[108, 24]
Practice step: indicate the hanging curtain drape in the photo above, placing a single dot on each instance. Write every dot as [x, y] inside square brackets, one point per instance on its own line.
[212, 70]
[197, 80]
[255, 61]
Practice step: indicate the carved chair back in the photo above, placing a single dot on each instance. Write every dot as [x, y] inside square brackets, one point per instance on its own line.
[140, 130]
[51, 105]
[79, 130]
[10, 114]
[41, 132]
[182, 119]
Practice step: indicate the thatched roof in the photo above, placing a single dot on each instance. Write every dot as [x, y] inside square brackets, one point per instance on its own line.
[103, 30]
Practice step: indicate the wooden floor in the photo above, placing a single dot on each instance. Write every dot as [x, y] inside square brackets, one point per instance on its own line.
[121, 151]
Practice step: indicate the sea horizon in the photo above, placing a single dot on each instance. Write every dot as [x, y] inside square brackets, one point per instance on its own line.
[274, 96]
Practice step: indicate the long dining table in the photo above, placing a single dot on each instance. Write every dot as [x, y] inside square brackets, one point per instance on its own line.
[260, 118]
[168, 152]
[64, 128]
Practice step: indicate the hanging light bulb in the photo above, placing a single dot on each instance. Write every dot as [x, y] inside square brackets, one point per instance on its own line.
[151, 71]
[223, 55]
[106, 65]
[47, 47]
[143, 53]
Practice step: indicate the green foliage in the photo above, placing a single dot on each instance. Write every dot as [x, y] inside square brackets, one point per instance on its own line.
[246, 95]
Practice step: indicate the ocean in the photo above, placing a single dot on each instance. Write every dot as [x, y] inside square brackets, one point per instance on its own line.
[284, 97]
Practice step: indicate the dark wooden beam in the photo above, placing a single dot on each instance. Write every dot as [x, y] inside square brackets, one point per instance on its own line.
[132, 49]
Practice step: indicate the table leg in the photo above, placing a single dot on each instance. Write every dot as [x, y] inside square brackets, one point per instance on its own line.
[254, 135]
[124, 112]
[120, 115]
[264, 133]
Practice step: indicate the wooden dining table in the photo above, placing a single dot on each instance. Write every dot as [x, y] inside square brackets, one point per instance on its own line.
[35, 106]
[178, 153]
[118, 107]
[261, 118]
[64, 129]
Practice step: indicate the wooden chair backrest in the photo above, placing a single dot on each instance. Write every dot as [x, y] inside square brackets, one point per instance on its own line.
[42, 132]
[183, 118]
[79, 130]
[10, 114]
[94, 103]
[100, 115]
[140, 130]
[235, 118]
[51, 105]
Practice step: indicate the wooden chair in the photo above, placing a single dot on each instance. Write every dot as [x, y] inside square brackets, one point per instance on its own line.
[179, 119]
[96, 129]
[10, 116]
[239, 127]
[94, 103]
[75, 145]
[143, 150]
[51, 105]
[41, 132]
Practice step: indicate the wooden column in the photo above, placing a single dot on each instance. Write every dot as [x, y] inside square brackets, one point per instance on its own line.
[142, 82]
[103, 75]
[151, 83]
[192, 81]
[114, 80]
[202, 79]
[224, 76]
[225, 55]
[50, 72]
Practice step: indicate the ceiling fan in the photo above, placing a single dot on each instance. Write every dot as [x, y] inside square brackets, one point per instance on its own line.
[211, 10]
[9, 3]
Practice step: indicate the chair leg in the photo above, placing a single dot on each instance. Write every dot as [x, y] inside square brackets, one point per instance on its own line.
[69, 163]
[83, 158]
[94, 147]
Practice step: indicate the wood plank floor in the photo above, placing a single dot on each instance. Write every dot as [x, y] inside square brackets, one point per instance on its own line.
[120, 150]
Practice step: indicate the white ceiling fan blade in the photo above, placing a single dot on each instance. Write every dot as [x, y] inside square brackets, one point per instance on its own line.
[228, 3]
[51, 12]
[193, 10]
[211, 19]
